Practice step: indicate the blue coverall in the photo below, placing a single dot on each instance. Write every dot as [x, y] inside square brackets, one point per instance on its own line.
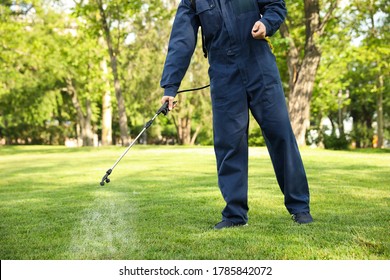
[243, 76]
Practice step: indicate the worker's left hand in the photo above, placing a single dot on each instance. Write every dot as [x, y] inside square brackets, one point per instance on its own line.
[258, 30]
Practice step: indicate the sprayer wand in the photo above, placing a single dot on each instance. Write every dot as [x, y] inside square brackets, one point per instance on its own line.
[164, 110]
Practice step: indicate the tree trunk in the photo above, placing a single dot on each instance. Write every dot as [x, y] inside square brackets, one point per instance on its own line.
[8, 138]
[300, 96]
[118, 91]
[195, 135]
[106, 109]
[84, 121]
[184, 130]
[88, 133]
[380, 113]
[302, 71]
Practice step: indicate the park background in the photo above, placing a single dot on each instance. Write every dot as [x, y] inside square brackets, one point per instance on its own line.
[78, 81]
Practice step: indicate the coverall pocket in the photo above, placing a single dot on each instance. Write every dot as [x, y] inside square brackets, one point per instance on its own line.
[209, 16]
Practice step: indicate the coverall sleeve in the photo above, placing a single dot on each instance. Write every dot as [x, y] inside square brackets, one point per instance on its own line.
[273, 14]
[181, 46]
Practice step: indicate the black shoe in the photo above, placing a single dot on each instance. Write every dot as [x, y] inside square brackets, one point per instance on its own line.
[302, 218]
[228, 224]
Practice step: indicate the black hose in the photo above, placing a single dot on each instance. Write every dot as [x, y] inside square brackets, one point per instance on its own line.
[193, 89]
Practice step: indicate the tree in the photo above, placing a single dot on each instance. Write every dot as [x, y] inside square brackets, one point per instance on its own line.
[354, 59]
[108, 18]
[143, 57]
[145, 60]
[28, 101]
[193, 116]
[373, 27]
[106, 107]
[50, 73]
[105, 26]
[303, 58]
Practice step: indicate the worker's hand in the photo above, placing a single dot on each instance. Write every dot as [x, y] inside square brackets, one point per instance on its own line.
[258, 30]
[170, 99]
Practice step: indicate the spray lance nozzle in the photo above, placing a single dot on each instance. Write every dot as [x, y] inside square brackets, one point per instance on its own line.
[105, 178]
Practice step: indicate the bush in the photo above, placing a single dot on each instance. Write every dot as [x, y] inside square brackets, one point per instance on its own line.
[336, 143]
[256, 137]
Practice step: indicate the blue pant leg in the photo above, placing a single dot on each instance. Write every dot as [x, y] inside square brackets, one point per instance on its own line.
[230, 127]
[269, 109]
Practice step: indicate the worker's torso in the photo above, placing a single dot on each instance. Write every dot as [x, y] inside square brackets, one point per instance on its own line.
[227, 27]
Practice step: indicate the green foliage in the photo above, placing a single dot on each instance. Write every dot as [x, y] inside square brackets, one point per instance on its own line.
[354, 58]
[362, 135]
[49, 50]
[335, 142]
[255, 136]
[41, 46]
[296, 22]
[26, 97]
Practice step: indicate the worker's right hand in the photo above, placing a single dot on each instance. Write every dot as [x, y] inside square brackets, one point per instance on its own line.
[170, 100]
[259, 30]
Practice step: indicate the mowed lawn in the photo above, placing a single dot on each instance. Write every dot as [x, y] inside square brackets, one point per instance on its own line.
[163, 201]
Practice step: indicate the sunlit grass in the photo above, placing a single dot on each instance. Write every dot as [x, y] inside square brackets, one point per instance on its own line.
[163, 201]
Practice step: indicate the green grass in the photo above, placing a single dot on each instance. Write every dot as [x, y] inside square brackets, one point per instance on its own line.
[162, 202]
